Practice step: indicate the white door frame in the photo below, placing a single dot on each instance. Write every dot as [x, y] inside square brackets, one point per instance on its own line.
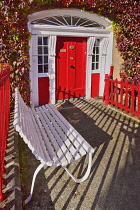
[54, 31]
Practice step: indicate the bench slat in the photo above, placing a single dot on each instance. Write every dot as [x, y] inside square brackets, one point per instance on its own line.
[35, 140]
[48, 146]
[81, 140]
[56, 132]
[64, 136]
[25, 122]
[78, 148]
[30, 136]
[58, 150]
[41, 143]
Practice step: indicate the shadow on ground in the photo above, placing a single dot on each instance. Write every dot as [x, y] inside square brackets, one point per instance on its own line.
[115, 175]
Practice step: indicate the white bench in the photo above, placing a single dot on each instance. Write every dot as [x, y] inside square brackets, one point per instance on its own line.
[51, 138]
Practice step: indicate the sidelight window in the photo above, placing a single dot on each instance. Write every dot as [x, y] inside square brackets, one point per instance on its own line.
[95, 55]
[42, 54]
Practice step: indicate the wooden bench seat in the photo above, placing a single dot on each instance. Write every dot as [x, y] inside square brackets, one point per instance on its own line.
[51, 138]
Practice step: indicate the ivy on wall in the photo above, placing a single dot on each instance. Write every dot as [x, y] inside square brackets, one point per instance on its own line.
[15, 35]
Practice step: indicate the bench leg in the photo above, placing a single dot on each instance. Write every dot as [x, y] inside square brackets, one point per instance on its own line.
[33, 182]
[86, 174]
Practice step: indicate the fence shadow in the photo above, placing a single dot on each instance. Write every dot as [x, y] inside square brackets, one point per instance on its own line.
[84, 124]
[115, 170]
[115, 174]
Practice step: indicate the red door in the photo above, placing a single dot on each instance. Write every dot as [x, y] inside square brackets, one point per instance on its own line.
[70, 67]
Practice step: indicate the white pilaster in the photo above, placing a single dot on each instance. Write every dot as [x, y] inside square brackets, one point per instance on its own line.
[103, 64]
[34, 71]
[52, 54]
[90, 45]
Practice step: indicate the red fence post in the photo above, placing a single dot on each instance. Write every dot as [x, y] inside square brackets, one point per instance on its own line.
[116, 93]
[121, 95]
[111, 72]
[4, 116]
[126, 97]
[139, 101]
[132, 98]
[106, 90]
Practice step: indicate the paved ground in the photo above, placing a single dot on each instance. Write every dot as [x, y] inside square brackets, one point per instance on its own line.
[114, 182]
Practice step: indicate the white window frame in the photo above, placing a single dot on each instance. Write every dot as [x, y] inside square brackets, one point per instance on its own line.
[97, 70]
[44, 74]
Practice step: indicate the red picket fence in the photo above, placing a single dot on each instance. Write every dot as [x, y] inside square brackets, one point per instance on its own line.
[122, 95]
[4, 116]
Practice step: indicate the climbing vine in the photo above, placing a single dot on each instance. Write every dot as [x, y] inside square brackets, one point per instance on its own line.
[15, 35]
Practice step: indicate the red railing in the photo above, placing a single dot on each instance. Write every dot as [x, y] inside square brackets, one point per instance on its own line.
[4, 116]
[122, 95]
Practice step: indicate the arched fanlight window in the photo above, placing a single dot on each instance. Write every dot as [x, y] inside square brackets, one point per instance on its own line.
[68, 20]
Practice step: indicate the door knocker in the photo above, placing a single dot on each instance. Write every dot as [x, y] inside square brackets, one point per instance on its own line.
[72, 47]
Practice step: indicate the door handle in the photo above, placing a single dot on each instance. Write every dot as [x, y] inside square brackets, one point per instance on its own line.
[73, 67]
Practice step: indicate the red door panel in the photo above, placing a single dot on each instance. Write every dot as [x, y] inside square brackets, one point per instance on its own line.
[70, 67]
[43, 90]
[95, 84]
